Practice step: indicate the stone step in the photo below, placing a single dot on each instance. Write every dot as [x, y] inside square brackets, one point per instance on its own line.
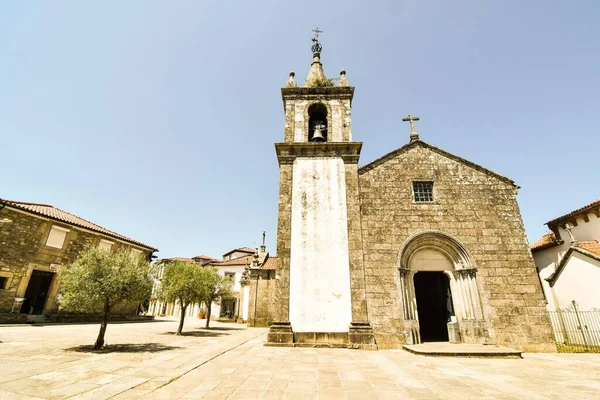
[445, 349]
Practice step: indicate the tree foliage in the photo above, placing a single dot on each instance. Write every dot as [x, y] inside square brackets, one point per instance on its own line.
[100, 280]
[186, 282]
[322, 82]
[219, 287]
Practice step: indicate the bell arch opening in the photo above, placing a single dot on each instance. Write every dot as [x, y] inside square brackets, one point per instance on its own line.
[438, 287]
[317, 123]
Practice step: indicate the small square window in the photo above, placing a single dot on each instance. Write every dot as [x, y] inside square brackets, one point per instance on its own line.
[423, 191]
[57, 236]
[3, 282]
[230, 275]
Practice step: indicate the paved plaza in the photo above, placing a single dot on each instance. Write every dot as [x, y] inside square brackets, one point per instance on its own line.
[145, 360]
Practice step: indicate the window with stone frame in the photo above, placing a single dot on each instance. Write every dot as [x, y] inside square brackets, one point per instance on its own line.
[423, 191]
[230, 275]
[56, 237]
[3, 282]
[105, 244]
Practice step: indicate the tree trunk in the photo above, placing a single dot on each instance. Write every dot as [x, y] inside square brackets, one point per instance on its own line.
[181, 319]
[100, 340]
[208, 312]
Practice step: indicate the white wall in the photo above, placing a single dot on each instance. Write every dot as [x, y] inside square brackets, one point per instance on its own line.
[238, 270]
[319, 262]
[546, 260]
[579, 281]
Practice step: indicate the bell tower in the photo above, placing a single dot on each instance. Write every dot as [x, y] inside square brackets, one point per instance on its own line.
[320, 293]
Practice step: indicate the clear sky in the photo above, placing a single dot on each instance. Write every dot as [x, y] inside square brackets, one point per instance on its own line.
[157, 119]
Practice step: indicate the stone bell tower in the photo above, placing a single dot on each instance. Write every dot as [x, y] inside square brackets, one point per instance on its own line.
[320, 295]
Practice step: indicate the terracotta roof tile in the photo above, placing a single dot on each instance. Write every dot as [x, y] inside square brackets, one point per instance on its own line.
[190, 260]
[548, 240]
[241, 249]
[575, 212]
[591, 246]
[271, 264]
[205, 258]
[243, 260]
[57, 214]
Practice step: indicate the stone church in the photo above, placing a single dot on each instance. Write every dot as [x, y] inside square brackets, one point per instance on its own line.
[419, 245]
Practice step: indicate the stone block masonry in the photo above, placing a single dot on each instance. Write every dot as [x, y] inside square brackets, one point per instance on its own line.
[476, 207]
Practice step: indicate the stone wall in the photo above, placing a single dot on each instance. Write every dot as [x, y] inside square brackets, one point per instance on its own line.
[261, 304]
[474, 206]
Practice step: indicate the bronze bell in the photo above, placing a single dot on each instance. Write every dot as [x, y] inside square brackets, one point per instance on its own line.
[318, 133]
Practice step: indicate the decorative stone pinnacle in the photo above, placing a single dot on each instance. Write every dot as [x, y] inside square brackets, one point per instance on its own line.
[343, 80]
[316, 75]
[413, 133]
[291, 81]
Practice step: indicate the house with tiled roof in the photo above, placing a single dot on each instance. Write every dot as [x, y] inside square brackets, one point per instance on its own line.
[237, 253]
[252, 272]
[568, 259]
[38, 238]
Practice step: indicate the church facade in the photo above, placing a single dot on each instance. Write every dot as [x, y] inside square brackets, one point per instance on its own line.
[419, 245]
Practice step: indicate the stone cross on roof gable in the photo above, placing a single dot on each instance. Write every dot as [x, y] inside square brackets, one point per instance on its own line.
[413, 133]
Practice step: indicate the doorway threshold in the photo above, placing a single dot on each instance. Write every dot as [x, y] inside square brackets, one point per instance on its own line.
[446, 349]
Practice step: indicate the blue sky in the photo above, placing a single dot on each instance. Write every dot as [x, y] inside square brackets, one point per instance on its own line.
[157, 119]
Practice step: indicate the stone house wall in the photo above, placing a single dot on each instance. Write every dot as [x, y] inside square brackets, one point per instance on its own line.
[261, 305]
[477, 208]
[23, 250]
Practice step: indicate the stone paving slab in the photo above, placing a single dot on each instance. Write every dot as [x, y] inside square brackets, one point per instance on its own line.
[228, 363]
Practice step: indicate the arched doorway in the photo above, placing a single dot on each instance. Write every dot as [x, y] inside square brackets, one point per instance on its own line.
[438, 288]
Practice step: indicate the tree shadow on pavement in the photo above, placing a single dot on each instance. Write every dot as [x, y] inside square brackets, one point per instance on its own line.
[203, 333]
[125, 348]
[219, 328]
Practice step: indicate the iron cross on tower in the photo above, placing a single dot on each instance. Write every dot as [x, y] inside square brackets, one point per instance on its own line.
[317, 31]
[413, 133]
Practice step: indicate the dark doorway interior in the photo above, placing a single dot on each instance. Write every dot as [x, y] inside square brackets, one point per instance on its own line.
[37, 292]
[227, 308]
[434, 305]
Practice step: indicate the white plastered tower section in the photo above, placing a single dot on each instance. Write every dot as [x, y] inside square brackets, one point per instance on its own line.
[319, 263]
[320, 297]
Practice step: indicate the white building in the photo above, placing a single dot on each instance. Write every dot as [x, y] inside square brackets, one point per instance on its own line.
[568, 259]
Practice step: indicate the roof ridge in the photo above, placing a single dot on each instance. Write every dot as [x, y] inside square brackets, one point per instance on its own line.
[27, 202]
[375, 163]
[576, 211]
[73, 219]
[88, 221]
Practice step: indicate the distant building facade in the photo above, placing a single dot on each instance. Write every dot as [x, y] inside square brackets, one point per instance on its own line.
[568, 259]
[36, 239]
[241, 265]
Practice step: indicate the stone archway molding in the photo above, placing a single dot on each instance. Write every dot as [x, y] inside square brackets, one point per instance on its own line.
[447, 244]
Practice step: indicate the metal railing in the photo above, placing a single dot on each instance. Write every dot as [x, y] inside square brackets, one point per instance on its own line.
[576, 331]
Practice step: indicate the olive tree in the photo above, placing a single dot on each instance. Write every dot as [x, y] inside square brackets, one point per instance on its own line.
[185, 282]
[218, 287]
[100, 280]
